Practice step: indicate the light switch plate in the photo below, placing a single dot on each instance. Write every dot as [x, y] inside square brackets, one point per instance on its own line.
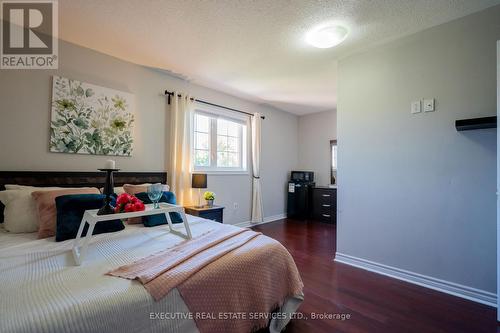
[429, 105]
[415, 107]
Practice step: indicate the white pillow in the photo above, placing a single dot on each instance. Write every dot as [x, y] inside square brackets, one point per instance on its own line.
[33, 188]
[18, 187]
[20, 213]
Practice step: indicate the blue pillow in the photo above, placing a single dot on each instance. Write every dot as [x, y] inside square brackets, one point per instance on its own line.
[70, 210]
[154, 220]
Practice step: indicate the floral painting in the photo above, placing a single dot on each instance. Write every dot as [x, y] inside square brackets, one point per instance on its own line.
[89, 119]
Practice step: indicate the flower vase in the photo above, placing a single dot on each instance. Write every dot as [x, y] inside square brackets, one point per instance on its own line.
[210, 203]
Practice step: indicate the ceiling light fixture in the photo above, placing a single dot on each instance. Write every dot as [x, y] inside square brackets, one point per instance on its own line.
[324, 37]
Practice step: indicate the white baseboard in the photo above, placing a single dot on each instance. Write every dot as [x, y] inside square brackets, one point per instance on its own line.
[473, 294]
[266, 220]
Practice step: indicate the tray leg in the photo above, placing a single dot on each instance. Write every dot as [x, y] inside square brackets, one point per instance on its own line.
[86, 242]
[169, 220]
[186, 226]
[76, 243]
[80, 251]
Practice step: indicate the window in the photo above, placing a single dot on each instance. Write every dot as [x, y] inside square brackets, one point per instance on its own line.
[201, 141]
[219, 143]
[333, 160]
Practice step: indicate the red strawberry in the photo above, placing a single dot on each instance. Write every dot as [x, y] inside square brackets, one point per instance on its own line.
[123, 199]
[129, 208]
[139, 206]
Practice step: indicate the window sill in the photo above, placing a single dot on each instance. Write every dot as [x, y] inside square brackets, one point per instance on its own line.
[223, 172]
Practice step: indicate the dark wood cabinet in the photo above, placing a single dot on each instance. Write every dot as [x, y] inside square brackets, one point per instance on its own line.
[214, 213]
[325, 204]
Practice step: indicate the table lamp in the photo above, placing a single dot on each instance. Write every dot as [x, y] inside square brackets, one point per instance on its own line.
[199, 181]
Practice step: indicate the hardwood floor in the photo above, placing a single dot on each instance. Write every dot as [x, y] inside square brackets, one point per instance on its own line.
[375, 303]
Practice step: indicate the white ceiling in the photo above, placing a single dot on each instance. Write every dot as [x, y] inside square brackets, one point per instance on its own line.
[252, 49]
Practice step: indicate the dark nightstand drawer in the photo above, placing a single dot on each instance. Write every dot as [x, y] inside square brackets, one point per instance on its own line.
[214, 216]
[214, 213]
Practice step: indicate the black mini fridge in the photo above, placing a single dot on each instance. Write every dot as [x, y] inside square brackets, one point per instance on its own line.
[299, 204]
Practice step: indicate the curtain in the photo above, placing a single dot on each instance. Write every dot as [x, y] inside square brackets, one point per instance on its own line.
[257, 214]
[181, 119]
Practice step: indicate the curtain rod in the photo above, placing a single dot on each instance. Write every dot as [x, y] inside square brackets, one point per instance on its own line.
[170, 93]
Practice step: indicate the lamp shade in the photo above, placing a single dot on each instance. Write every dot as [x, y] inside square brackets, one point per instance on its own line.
[199, 180]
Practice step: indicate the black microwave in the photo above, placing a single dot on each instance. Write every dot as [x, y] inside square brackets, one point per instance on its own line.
[302, 176]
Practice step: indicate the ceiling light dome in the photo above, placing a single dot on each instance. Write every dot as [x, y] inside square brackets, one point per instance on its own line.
[327, 36]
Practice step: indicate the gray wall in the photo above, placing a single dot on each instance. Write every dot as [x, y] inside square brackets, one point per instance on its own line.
[315, 132]
[498, 176]
[414, 193]
[24, 126]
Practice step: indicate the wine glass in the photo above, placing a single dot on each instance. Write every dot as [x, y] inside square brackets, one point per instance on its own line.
[154, 193]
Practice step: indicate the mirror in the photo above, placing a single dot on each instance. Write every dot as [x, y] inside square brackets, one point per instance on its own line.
[333, 161]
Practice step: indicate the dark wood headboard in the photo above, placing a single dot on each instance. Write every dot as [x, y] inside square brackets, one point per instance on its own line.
[75, 179]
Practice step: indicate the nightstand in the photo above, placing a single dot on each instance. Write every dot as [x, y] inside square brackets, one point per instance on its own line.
[210, 213]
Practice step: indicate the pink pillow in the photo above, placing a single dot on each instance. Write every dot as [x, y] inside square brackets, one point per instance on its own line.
[46, 207]
[134, 189]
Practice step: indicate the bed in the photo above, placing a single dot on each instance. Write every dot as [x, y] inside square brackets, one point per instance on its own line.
[41, 289]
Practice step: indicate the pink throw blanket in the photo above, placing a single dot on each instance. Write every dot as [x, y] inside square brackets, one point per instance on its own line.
[227, 271]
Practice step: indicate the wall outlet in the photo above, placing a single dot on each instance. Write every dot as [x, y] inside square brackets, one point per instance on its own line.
[415, 107]
[235, 206]
[429, 105]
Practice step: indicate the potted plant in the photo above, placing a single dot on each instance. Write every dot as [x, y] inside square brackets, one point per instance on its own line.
[209, 197]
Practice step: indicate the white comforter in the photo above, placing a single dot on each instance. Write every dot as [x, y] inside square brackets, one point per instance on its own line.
[41, 289]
